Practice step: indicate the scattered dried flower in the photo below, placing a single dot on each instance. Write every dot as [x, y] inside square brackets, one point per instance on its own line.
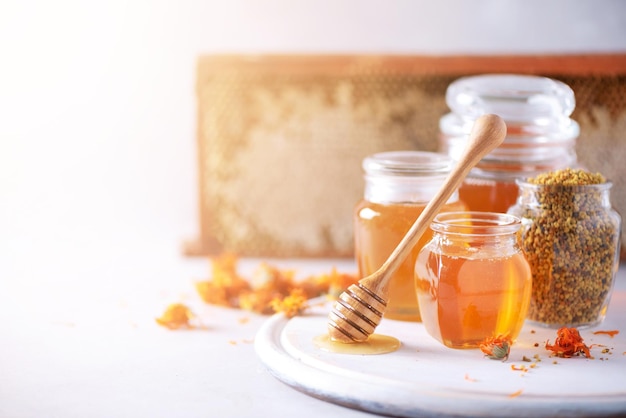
[176, 316]
[293, 304]
[227, 288]
[497, 348]
[568, 343]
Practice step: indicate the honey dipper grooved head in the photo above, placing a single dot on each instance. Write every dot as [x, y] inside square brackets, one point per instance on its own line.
[356, 314]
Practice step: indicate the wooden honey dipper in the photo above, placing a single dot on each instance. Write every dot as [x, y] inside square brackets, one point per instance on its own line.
[360, 308]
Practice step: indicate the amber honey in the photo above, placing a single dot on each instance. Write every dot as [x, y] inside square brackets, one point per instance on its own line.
[378, 230]
[472, 280]
[375, 344]
[488, 195]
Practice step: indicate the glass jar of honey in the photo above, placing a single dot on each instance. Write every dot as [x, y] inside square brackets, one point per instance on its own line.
[571, 239]
[472, 279]
[398, 186]
[541, 136]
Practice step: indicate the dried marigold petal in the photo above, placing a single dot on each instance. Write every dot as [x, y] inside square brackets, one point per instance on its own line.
[291, 305]
[611, 333]
[176, 316]
[225, 284]
[258, 301]
[497, 348]
[271, 279]
[568, 343]
[521, 368]
[470, 379]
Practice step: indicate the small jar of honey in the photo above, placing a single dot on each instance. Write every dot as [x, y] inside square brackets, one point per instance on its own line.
[472, 279]
[398, 186]
[541, 136]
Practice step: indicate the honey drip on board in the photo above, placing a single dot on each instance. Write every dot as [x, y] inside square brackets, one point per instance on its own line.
[375, 344]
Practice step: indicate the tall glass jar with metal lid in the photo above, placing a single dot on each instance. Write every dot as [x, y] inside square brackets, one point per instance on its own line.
[398, 186]
[541, 136]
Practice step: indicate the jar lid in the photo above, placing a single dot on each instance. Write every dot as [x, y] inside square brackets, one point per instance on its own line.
[515, 98]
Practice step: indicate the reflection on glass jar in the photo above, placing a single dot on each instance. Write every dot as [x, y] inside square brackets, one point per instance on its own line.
[472, 280]
[398, 186]
[571, 238]
[541, 136]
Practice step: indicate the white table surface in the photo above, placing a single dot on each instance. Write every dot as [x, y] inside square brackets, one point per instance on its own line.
[85, 349]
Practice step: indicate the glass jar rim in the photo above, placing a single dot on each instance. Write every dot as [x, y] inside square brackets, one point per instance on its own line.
[408, 163]
[476, 223]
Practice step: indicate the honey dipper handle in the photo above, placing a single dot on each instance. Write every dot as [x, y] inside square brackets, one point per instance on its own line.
[487, 133]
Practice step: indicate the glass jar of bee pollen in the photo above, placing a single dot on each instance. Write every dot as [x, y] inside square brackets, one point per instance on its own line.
[571, 238]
